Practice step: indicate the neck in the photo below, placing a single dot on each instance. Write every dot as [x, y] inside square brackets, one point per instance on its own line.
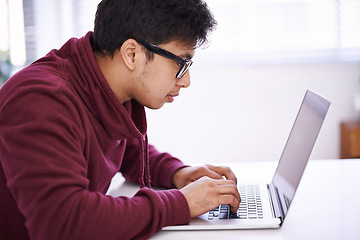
[113, 73]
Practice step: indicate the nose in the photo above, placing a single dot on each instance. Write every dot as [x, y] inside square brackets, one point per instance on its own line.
[185, 80]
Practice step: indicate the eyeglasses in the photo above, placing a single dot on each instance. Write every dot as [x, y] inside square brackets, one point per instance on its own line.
[184, 64]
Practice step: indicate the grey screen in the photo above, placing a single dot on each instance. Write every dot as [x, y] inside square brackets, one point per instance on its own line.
[299, 145]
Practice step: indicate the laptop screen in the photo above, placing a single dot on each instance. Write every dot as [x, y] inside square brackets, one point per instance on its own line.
[299, 146]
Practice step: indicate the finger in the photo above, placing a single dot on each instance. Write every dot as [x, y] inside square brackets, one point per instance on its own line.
[221, 187]
[223, 171]
[205, 171]
[229, 189]
[231, 201]
[223, 181]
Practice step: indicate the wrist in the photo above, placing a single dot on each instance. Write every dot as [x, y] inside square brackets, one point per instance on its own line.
[177, 177]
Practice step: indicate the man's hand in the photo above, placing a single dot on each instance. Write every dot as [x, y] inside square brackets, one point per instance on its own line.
[186, 175]
[205, 194]
[206, 187]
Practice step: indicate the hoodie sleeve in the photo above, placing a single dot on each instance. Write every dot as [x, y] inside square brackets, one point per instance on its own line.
[42, 142]
[162, 165]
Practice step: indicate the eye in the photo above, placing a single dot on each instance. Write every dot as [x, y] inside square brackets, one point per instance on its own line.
[180, 65]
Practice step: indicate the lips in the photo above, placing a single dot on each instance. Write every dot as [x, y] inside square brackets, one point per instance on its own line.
[172, 96]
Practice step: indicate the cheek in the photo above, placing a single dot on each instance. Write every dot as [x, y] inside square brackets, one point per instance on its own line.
[153, 88]
[159, 78]
[159, 90]
[164, 70]
[161, 83]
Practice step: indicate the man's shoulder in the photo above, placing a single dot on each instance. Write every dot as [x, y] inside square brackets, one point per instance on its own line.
[36, 78]
[38, 91]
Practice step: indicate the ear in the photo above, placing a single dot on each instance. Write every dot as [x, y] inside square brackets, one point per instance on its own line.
[130, 52]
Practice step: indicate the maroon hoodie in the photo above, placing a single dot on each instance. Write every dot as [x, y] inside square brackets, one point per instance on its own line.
[63, 136]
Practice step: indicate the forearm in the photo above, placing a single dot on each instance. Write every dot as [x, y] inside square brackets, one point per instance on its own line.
[86, 215]
[163, 167]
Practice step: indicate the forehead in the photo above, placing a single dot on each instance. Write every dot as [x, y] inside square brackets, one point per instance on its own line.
[179, 49]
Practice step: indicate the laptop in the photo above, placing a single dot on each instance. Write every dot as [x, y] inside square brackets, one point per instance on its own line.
[266, 205]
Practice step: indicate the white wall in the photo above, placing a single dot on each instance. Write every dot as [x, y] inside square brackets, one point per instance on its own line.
[246, 113]
[234, 113]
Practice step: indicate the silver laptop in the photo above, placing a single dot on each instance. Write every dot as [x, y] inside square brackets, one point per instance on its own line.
[266, 205]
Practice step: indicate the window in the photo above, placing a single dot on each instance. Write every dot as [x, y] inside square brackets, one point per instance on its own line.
[84, 15]
[260, 31]
[12, 37]
[248, 32]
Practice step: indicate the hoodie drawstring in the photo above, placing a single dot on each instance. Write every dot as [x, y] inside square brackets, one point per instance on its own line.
[144, 177]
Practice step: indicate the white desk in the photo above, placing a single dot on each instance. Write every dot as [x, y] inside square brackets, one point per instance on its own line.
[326, 205]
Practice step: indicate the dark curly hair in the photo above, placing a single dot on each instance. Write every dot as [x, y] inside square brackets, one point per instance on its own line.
[153, 21]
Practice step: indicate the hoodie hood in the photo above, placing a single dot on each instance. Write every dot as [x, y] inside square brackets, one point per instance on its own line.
[94, 90]
[120, 121]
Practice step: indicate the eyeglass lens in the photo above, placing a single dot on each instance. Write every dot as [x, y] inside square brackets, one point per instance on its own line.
[184, 68]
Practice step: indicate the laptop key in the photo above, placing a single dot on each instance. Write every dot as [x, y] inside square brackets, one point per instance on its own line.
[249, 208]
[223, 215]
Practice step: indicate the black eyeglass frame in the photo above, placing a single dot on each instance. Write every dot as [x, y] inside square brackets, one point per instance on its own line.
[183, 63]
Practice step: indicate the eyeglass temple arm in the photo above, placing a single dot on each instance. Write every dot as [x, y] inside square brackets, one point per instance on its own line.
[163, 52]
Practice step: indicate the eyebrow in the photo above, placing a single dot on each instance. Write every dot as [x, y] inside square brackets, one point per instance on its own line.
[186, 56]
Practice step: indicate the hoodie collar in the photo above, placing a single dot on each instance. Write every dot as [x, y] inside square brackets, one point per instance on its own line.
[120, 121]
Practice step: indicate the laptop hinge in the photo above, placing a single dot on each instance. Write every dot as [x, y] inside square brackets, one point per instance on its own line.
[275, 202]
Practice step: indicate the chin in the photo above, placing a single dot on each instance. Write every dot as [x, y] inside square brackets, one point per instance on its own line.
[152, 103]
[154, 106]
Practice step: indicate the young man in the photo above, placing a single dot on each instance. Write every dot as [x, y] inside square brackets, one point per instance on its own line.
[74, 118]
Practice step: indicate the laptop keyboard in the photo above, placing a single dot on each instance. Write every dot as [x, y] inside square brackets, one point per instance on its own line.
[250, 206]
